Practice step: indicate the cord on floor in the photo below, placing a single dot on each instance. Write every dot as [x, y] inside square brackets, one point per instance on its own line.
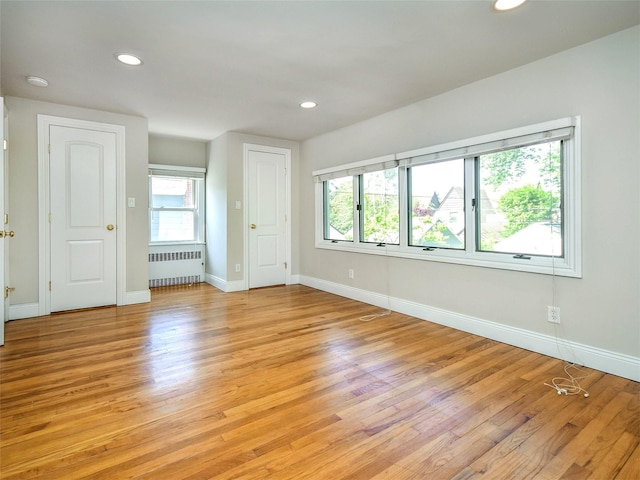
[570, 385]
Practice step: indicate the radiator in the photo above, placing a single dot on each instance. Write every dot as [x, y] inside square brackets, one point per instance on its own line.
[175, 265]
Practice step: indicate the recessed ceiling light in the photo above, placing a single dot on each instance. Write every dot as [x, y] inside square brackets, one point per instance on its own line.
[37, 81]
[128, 59]
[308, 104]
[504, 5]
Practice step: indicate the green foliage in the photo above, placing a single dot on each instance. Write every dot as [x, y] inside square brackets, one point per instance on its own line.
[526, 205]
[381, 208]
[341, 208]
[511, 165]
[382, 218]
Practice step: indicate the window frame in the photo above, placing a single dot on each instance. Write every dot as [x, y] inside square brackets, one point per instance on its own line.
[361, 209]
[198, 209]
[569, 265]
[327, 204]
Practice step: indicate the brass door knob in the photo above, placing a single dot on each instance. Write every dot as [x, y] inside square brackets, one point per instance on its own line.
[4, 233]
[110, 227]
[253, 226]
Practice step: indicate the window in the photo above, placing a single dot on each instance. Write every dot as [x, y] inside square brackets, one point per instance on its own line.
[519, 207]
[506, 200]
[176, 204]
[380, 207]
[437, 201]
[338, 201]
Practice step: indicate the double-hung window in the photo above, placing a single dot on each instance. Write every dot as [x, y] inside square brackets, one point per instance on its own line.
[176, 204]
[507, 200]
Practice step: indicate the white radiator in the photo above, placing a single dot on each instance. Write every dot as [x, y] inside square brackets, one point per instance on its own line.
[175, 265]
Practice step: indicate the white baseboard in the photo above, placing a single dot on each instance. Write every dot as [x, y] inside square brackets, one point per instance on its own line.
[142, 296]
[236, 285]
[225, 286]
[28, 310]
[23, 310]
[615, 363]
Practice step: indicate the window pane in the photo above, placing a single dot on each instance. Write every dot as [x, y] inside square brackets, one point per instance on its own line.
[338, 209]
[437, 204]
[173, 192]
[520, 200]
[380, 208]
[172, 226]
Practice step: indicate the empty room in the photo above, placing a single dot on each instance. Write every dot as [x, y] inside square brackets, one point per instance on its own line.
[369, 239]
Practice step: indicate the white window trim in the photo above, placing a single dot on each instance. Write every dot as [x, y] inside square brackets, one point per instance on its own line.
[176, 170]
[569, 266]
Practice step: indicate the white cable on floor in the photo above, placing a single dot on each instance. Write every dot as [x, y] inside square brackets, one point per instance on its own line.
[570, 385]
[563, 385]
[368, 318]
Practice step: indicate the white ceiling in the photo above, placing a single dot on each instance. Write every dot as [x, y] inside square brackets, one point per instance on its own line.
[217, 66]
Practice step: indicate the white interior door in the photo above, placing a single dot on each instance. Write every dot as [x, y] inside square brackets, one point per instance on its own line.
[83, 217]
[267, 196]
[3, 191]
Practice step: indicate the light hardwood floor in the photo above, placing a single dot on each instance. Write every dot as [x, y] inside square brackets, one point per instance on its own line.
[289, 383]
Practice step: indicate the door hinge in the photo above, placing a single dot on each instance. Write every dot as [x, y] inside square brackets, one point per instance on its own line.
[49, 285]
[7, 291]
[285, 265]
[4, 146]
[49, 148]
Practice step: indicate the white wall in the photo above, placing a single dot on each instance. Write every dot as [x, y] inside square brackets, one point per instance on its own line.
[225, 186]
[216, 209]
[23, 192]
[599, 81]
[183, 152]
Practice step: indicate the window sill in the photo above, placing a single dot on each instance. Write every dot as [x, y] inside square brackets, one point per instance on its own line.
[541, 265]
[165, 244]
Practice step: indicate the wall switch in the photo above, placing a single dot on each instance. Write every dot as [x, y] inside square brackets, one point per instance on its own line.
[351, 273]
[553, 314]
[131, 202]
[237, 267]
[238, 205]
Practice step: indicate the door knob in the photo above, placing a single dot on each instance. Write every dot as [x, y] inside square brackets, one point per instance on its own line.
[110, 227]
[253, 226]
[4, 233]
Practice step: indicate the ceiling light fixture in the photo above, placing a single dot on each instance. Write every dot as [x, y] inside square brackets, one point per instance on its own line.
[309, 104]
[504, 5]
[37, 81]
[128, 59]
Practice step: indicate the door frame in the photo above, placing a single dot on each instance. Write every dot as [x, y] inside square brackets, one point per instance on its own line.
[44, 230]
[4, 264]
[247, 147]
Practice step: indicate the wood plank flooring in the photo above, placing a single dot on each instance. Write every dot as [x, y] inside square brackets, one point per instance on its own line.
[290, 383]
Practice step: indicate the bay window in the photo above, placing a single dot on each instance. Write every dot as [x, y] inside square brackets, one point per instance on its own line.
[506, 200]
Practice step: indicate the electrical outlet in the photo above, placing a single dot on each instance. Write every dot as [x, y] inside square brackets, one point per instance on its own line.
[237, 267]
[351, 273]
[553, 314]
